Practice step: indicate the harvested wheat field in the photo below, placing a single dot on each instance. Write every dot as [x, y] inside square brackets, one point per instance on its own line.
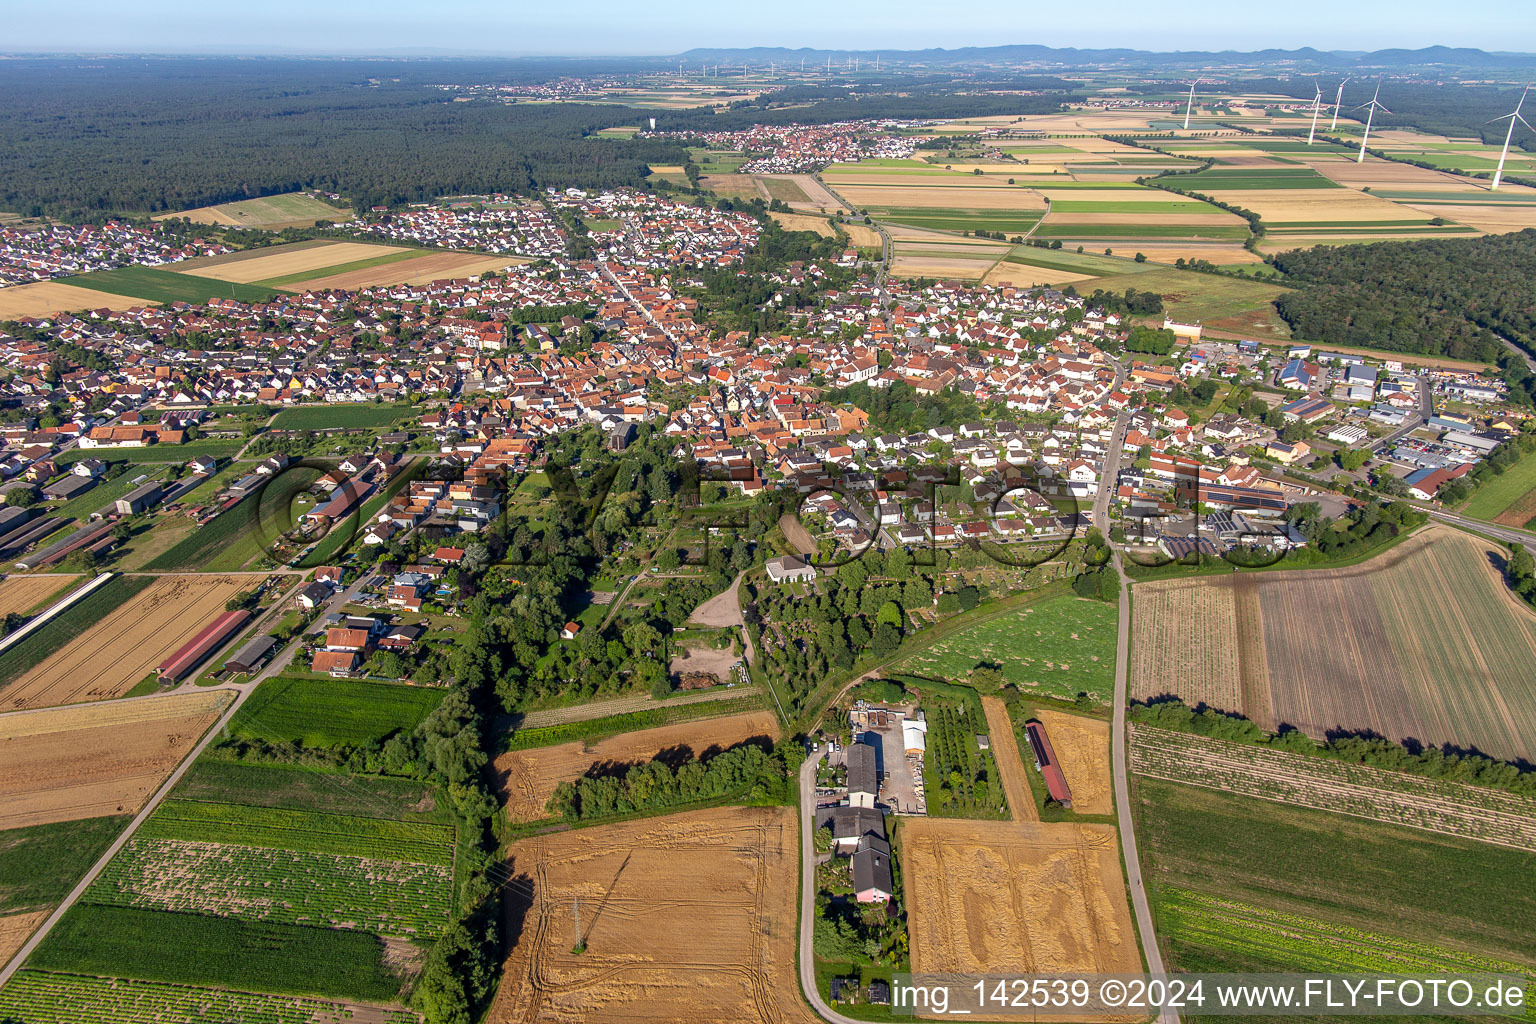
[15, 930]
[1425, 642]
[816, 195]
[863, 236]
[1026, 897]
[111, 657]
[1021, 276]
[945, 268]
[63, 764]
[527, 778]
[1010, 766]
[687, 917]
[272, 265]
[44, 297]
[805, 222]
[1494, 218]
[22, 594]
[1082, 745]
[424, 269]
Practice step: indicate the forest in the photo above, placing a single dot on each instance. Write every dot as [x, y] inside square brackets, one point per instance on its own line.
[81, 138]
[1445, 297]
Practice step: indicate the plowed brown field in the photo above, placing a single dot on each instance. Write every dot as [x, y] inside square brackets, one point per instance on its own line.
[1425, 642]
[436, 266]
[527, 778]
[63, 764]
[111, 657]
[1019, 898]
[685, 918]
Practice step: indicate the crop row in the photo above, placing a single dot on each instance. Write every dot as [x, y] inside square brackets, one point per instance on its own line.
[387, 897]
[1435, 805]
[43, 997]
[311, 831]
[1301, 943]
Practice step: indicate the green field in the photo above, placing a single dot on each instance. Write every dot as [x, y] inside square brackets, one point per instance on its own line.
[233, 538]
[330, 712]
[193, 949]
[1130, 206]
[307, 789]
[213, 447]
[1191, 296]
[40, 864]
[290, 829]
[281, 210]
[960, 779]
[155, 285]
[1220, 179]
[1060, 647]
[40, 997]
[1130, 229]
[341, 417]
[1500, 492]
[1076, 262]
[1385, 885]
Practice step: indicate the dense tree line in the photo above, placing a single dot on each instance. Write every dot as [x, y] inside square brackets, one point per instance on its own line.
[746, 772]
[1433, 762]
[179, 133]
[899, 409]
[1445, 296]
[740, 297]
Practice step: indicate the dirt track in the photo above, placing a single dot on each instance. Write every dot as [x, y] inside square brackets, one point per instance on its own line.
[1010, 765]
[689, 917]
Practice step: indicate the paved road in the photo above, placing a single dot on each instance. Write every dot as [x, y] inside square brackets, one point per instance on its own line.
[808, 893]
[1118, 762]
[1493, 531]
[242, 691]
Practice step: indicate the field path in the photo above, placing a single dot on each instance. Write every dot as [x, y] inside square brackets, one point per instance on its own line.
[620, 706]
[1005, 748]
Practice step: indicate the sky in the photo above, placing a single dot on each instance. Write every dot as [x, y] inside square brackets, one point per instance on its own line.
[636, 27]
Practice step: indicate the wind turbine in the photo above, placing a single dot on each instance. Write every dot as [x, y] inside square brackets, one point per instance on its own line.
[1375, 105]
[1338, 98]
[1189, 108]
[1317, 107]
[1513, 116]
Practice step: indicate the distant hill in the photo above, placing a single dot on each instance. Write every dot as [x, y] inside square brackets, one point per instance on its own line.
[1017, 53]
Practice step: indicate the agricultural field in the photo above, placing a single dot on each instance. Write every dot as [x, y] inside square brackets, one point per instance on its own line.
[1059, 647]
[1012, 775]
[1024, 897]
[69, 763]
[40, 997]
[1244, 884]
[527, 778]
[691, 916]
[154, 285]
[111, 657]
[330, 712]
[804, 222]
[289, 866]
[1424, 643]
[242, 534]
[289, 210]
[284, 262]
[340, 417]
[40, 864]
[1508, 499]
[225, 952]
[1082, 747]
[960, 778]
[1362, 791]
[41, 298]
[423, 268]
[22, 595]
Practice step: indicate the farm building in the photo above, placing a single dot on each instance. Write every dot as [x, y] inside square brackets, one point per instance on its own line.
[1049, 767]
[208, 640]
[68, 487]
[863, 775]
[142, 497]
[252, 656]
[849, 825]
[914, 735]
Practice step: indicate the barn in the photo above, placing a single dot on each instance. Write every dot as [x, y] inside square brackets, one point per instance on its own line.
[1045, 761]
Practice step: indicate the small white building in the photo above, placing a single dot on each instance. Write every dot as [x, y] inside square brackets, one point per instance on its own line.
[788, 567]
